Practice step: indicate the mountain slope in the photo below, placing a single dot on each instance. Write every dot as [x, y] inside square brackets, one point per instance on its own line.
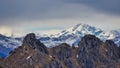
[91, 53]
[7, 44]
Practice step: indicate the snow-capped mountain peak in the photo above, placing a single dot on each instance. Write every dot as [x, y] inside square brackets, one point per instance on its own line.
[82, 29]
[74, 34]
[75, 28]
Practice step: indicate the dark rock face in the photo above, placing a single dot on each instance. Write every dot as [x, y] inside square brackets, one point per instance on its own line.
[91, 53]
[69, 63]
[90, 41]
[112, 51]
[109, 54]
[31, 40]
[65, 52]
[88, 51]
[55, 64]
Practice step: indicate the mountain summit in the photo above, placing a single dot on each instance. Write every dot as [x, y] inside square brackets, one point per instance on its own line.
[83, 29]
[30, 39]
[74, 34]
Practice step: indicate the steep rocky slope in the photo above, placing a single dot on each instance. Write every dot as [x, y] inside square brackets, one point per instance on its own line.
[91, 53]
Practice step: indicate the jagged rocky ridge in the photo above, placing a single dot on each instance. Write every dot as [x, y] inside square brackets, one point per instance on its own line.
[91, 53]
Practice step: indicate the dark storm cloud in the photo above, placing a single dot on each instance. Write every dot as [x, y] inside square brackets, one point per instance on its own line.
[107, 6]
[24, 12]
[15, 11]
[43, 9]
[11, 8]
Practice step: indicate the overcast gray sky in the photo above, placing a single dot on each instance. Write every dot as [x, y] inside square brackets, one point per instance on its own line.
[51, 16]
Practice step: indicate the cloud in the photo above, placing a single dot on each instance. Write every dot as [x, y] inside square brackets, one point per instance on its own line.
[107, 6]
[46, 9]
[44, 16]
[49, 32]
[26, 8]
[6, 31]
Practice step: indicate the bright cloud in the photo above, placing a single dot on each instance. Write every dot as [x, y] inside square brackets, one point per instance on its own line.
[6, 31]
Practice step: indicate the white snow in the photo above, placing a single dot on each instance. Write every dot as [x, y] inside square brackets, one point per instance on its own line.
[74, 33]
[28, 57]
[50, 56]
[77, 56]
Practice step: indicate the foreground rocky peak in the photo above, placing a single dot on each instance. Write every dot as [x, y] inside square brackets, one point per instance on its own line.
[91, 53]
[90, 40]
[30, 40]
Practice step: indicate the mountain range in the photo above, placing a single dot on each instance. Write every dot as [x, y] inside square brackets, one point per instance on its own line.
[8, 44]
[90, 53]
[71, 36]
[74, 34]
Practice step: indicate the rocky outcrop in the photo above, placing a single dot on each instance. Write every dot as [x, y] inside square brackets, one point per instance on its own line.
[91, 53]
[88, 51]
[32, 54]
[34, 43]
[55, 64]
[112, 51]
[90, 41]
[64, 53]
